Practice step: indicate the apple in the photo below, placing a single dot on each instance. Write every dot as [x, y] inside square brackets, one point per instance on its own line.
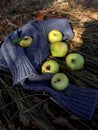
[50, 66]
[26, 41]
[58, 49]
[75, 61]
[55, 36]
[59, 81]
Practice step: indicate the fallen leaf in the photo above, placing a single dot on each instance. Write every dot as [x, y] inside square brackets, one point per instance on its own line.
[40, 16]
[63, 122]
[1, 27]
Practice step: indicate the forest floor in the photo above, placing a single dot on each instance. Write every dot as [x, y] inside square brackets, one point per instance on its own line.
[83, 16]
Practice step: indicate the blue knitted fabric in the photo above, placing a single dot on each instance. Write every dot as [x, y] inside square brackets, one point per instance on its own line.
[24, 64]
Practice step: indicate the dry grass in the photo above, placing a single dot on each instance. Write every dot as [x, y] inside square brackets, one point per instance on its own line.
[83, 16]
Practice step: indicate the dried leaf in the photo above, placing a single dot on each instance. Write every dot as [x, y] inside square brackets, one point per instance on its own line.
[40, 16]
[63, 122]
[1, 27]
[16, 40]
[48, 110]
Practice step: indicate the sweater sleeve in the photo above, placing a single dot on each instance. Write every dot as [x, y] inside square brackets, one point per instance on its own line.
[3, 64]
[17, 62]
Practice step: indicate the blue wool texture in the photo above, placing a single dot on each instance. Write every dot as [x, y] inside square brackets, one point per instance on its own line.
[24, 64]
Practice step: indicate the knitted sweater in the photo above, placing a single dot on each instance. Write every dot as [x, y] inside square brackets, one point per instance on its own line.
[24, 64]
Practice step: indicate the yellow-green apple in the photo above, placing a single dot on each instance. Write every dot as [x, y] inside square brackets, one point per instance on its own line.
[58, 49]
[26, 41]
[60, 81]
[55, 36]
[74, 61]
[50, 66]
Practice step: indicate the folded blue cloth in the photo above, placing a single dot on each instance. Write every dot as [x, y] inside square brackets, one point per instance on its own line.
[24, 64]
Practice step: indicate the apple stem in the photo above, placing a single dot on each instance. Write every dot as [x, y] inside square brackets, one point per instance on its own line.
[73, 60]
[54, 34]
[48, 67]
[25, 38]
[57, 80]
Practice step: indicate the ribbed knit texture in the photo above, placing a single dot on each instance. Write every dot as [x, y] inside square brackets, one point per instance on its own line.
[24, 65]
[3, 64]
[17, 62]
[79, 100]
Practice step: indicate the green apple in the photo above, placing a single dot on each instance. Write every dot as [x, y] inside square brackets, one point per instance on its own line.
[50, 66]
[58, 49]
[75, 61]
[60, 81]
[26, 41]
[55, 36]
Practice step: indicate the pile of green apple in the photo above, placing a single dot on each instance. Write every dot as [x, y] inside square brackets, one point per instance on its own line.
[59, 48]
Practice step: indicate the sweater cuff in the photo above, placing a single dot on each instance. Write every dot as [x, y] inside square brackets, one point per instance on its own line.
[17, 62]
[81, 101]
[3, 64]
